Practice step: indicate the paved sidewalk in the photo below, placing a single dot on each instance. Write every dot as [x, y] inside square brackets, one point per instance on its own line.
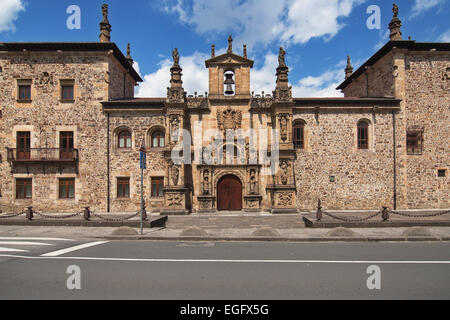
[252, 234]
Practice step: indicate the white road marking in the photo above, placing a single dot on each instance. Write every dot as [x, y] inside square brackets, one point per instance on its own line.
[229, 261]
[35, 238]
[11, 250]
[67, 250]
[24, 243]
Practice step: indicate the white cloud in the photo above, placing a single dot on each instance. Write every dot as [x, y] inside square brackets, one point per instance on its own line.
[423, 5]
[9, 12]
[263, 21]
[445, 37]
[195, 78]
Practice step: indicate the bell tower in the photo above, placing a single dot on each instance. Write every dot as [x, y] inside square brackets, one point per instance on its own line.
[229, 74]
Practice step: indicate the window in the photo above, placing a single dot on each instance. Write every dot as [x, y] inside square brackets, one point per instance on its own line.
[123, 187]
[158, 139]
[24, 188]
[299, 135]
[67, 188]
[66, 145]
[23, 146]
[157, 187]
[124, 139]
[363, 135]
[442, 173]
[67, 90]
[24, 90]
[414, 141]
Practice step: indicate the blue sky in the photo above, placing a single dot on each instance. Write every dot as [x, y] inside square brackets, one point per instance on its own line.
[317, 34]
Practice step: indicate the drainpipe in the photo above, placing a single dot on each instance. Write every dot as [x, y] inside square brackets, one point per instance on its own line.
[395, 159]
[108, 200]
[367, 81]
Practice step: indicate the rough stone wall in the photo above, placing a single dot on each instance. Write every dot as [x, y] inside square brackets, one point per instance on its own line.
[363, 178]
[117, 76]
[45, 116]
[427, 102]
[125, 163]
[381, 81]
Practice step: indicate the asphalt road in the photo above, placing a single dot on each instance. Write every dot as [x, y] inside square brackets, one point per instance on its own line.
[224, 270]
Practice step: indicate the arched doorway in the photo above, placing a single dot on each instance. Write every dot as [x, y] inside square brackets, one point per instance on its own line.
[229, 194]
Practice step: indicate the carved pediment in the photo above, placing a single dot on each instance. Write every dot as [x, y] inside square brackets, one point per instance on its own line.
[229, 59]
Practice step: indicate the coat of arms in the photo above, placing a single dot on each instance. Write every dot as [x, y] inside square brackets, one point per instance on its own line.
[229, 119]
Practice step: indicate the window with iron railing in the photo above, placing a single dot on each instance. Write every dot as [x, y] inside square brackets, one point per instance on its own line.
[299, 135]
[363, 135]
[414, 141]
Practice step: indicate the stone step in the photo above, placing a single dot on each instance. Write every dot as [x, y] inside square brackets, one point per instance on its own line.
[293, 221]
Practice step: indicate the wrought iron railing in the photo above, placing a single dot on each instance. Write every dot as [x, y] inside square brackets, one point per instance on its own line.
[42, 154]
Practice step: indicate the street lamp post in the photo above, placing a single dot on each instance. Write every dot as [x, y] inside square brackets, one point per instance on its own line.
[143, 165]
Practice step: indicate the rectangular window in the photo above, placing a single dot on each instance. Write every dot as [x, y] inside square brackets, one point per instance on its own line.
[67, 188]
[67, 90]
[442, 173]
[23, 145]
[24, 90]
[157, 187]
[66, 145]
[414, 141]
[24, 188]
[123, 187]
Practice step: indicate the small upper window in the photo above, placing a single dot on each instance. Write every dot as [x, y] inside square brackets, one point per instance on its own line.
[442, 173]
[67, 90]
[24, 89]
[158, 139]
[299, 135]
[363, 135]
[124, 139]
[414, 141]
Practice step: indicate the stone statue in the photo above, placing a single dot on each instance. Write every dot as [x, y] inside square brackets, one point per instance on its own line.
[206, 190]
[283, 127]
[174, 125]
[284, 165]
[105, 13]
[230, 45]
[395, 10]
[252, 181]
[281, 58]
[176, 57]
[175, 173]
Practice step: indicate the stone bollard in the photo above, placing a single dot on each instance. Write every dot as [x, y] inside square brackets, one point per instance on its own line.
[30, 213]
[87, 214]
[385, 214]
[319, 211]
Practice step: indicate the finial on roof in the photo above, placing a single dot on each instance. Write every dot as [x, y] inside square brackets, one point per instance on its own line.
[395, 25]
[176, 57]
[213, 51]
[245, 51]
[105, 26]
[230, 44]
[129, 58]
[348, 69]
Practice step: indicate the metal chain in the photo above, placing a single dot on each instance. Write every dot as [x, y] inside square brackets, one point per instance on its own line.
[57, 217]
[12, 215]
[352, 220]
[115, 219]
[419, 215]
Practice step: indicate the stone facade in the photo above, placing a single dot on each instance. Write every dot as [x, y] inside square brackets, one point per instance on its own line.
[405, 86]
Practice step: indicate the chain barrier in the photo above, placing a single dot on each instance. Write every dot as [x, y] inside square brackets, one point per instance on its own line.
[12, 215]
[419, 215]
[115, 219]
[352, 220]
[57, 216]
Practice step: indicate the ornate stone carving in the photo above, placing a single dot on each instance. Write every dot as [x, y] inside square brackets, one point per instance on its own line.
[229, 119]
[284, 126]
[230, 45]
[174, 173]
[284, 166]
[174, 200]
[253, 182]
[284, 199]
[174, 126]
[281, 58]
[45, 78]
[283, 94]
[176, 95]
[206, 183]
[176, 57]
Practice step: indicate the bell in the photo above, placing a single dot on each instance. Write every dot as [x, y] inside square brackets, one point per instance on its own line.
[229, 82]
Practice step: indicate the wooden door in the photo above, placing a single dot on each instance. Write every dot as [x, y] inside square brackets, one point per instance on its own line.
[66, 145]
[23, 145]
[229, 194]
